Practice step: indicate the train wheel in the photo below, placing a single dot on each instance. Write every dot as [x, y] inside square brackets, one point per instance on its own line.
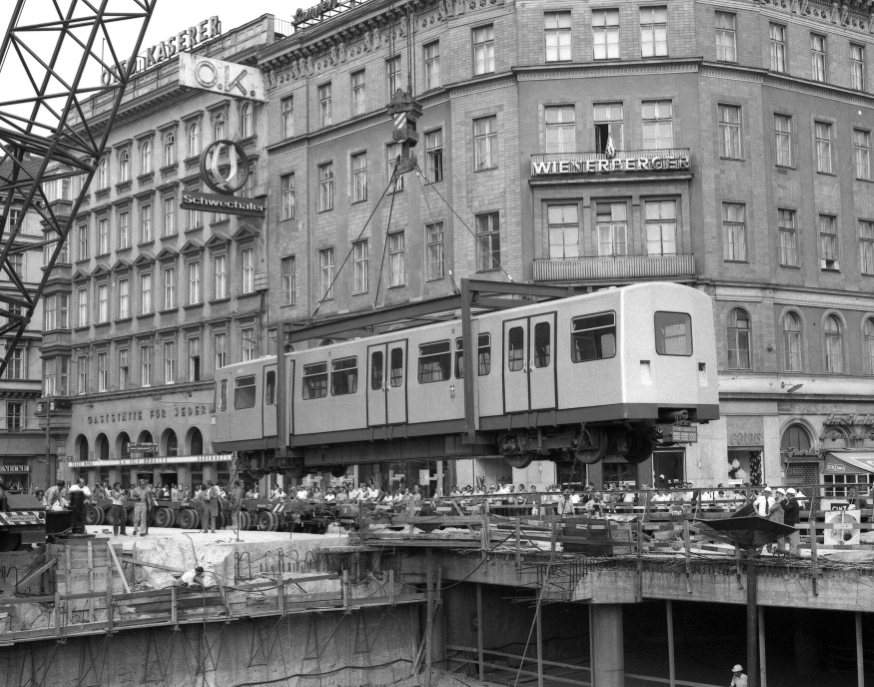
[163, 517]
[92, 515]
[188, 519]
[639, 448]
[591, 445]
[523, 460]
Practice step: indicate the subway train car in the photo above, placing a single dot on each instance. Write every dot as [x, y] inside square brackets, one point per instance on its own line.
[617, 372]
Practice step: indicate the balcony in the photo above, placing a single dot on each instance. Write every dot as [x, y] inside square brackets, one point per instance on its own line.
[615, 268]
[667, 161]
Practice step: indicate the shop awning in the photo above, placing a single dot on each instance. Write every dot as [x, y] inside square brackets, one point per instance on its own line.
[153, 460]
[848, 462]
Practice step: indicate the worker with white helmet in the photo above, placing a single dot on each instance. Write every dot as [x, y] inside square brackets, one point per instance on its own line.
[791, 516]
[738, 678]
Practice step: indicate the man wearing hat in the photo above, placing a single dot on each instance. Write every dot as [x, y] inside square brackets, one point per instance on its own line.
[738, 678]
[763, 502]
[791, 516]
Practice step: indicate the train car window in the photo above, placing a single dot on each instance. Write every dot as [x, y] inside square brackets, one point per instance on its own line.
[376, 370]
[593, 337]
[270, 388]
[435, 362]
[244, 392]
[315, 380]
[397, 366]
[673, 333]
[516, 351]
[344, 376]
[223, 395]
[542, 344]
[484, 356]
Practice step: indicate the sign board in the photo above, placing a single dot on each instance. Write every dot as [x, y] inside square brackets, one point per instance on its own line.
[157, 460]
[24, 517]
[220, 76]
[142, 446]
[842, 527]
[231, 205]
[556, 165]
[683, 434]
[14, 468]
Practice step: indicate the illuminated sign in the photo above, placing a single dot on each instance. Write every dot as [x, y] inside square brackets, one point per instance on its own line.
[142, 446]
[805, 453]
[161, 460]
[314, 12]
[655, 162]
[849, 420]
[208, 202]
[224, 167]
[14, 468]
[161, 52]
[219, 76]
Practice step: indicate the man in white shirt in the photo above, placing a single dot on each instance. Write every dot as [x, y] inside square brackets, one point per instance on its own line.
[763, 502]
[81, 486]
[78, 493]
[192, 578]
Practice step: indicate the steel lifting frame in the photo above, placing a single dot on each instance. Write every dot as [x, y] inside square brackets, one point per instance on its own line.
[53, 140]
[481, 294]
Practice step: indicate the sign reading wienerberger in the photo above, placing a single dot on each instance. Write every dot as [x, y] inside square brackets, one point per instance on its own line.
[555, 165]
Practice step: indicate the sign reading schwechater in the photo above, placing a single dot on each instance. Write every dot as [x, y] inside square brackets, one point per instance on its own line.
[224, 168]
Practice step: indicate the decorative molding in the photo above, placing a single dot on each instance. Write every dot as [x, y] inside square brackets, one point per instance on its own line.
[583, 71]
[853, 14]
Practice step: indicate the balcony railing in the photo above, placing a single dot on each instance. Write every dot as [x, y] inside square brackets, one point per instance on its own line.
[561, 164]
[619, 267]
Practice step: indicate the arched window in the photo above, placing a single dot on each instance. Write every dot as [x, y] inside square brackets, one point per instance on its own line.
[792, 342]
[169, 149]
[122, 445]
[246, 117]
[103, 174]
[869, 346]
[195, 442]
[146, 157]
[218, 127]
[738, 340]
[834, 359]
[83, 448]
[171, 443]
[102, 447]
[124, 166]
[194, 139]
[795, 437]
[146, 438]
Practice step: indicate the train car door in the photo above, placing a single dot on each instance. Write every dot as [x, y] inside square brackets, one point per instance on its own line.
[529, 363]
[268, 416]
[377, 381]
[516, 365]
[396, 390]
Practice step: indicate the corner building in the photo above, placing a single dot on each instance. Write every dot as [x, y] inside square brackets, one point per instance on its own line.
[723, 145]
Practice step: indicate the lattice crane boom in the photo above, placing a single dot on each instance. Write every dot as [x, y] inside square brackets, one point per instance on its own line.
[55, 49]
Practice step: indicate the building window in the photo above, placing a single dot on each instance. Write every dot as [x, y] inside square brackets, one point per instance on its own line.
[194, 359]
[218, 126]
[84, 251]
[869, 346]
[792, 342]
[169, 228]
[195, 217]
[358, 92]
[612, 228]
[169, 149]
[169, 274]
[726, 37]
[102, 372]
[286, 108]
[396, 260]
[288, 281]
[488, 242]
[823, 136]
[14, 416]
[326, 117]
[857, 63]
[103, 174]
[729, 132]
[326, 273]
[564, 231]
[82, 307]
[169, 362]
[485, 143]
[738, 340]
[434, 155]
[862, 153]
[393, 74]
[834, 359]
[653, 31]
[123, 230]
[103, 236]
[609, 129]
[220, 345]
[146, 223]
[145, 294]
[146, 365]
[123, 166]
[783, 140]
[247, 270]
[658, 125]
[194, 282]
[777, 35]
[828, 243]
[360, 266]
[359, 177]
[326, 187]
[661, 227]
[557, 29]
[605, 34]
[123, 298]
[434, 251]
[82, 375]
[247, 120]
[146, 158]
[561, 130]
[102, 303]
[734, 231]
[394, 154]
[123, 368]
[288, 204]
[15, 369]
[431, 53]
[484, 50]
[788, 238]
[866, 246]
[193, 139]
[220, 273]
[247, 339]
[817, 57]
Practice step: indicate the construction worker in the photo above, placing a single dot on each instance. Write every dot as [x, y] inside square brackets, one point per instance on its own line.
[738, 678]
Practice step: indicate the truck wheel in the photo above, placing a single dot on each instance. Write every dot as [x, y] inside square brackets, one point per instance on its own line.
[188, 519]
[92, 515]
[245, 520]
[163, 517]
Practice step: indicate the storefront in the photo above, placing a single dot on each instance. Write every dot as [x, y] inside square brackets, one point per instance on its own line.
[847, 474]
[181, 471]
[745, 450]
[15, 474]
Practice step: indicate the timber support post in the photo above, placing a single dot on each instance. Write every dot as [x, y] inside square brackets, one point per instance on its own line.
[752, 621]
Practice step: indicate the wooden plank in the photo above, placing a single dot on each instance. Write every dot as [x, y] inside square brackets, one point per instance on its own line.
[136, 561]
[36, 573]
[119, 568]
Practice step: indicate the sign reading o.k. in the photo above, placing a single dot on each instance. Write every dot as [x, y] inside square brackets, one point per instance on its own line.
[231, 178]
